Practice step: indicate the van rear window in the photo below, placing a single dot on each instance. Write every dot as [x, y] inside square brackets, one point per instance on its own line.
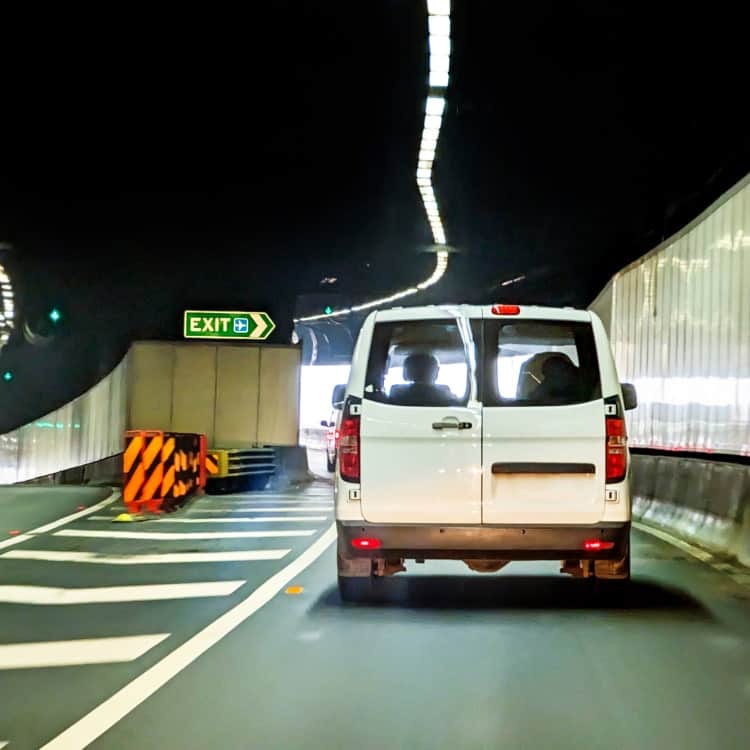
[418, 363]
[539, 363]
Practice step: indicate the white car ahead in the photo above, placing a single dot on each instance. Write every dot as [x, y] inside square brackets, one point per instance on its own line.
[483, 434]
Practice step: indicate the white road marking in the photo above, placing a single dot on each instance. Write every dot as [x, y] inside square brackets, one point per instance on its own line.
[15, 540]
[106, 715]
[3, 743]
[176, 536]
[292, 509]
[236, 519]
[249, 509]
[107, 594]
[155, 559]
[77, 652]
[60, 522]
[696, 552]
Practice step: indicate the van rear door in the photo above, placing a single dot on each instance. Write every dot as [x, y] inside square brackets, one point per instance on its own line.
[421, 424]
[543, 422]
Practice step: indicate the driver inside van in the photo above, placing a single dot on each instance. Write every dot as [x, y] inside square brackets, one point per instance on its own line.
[422, 371]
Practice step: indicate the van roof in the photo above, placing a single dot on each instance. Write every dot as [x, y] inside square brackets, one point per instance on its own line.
[532, 312]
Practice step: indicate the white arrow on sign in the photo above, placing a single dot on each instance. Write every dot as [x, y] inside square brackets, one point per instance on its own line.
[263, 325]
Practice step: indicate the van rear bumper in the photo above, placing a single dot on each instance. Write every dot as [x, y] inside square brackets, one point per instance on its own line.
[483, 542]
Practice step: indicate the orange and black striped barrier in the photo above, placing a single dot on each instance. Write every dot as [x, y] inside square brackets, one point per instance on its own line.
[161, 468]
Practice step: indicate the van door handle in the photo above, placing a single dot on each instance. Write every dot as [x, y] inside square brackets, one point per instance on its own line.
[451, 423]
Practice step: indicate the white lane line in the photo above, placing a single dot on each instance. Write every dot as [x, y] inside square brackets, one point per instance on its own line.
[696, 552]
[237, 519]
[155, 559]
[250, 509]
[43, 595]
[60, 522]
[3, 743]
[106, 715]
[15, 540]
[176, 536]
[291, 509]
[77, 652]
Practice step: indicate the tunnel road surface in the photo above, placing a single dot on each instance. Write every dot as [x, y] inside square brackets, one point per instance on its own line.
[190, 632]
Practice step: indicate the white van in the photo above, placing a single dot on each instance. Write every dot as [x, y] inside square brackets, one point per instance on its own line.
[482, 434]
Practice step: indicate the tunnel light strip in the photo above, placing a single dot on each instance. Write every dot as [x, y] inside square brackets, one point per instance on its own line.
[7, 307]
[439, 25]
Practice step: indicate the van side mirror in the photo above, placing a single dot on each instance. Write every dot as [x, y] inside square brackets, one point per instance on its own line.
[629, 396]
[337, 400]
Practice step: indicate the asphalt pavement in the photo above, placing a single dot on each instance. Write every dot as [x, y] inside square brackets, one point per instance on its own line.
[214, 627]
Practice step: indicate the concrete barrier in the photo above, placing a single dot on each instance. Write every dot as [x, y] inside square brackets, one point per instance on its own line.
[704, 502]
[291, 468]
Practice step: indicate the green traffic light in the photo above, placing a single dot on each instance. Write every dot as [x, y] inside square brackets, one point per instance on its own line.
[328, 310]
[55, 315]
[7, 376]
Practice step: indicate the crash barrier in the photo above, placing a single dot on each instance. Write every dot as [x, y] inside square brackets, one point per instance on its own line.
[705, 502]
[241, 469]
[161, 468]
[292, 468]
[106, 472]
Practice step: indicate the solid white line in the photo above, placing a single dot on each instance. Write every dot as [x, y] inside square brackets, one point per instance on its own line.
[43, 595]
[237, 519]
[3, 743]
[250, 509]
[15, 540]
[60, 522]
[73, 516]
[292, 509]
[155, 559]
[696, 552]
[247, 519]
[105, 716]
[174, 536]
[77, 652]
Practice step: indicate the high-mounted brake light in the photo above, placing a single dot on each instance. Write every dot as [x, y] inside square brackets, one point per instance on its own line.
[596, 545]
[348, 448]
[617, 449]
[366, 542]
[506, 310]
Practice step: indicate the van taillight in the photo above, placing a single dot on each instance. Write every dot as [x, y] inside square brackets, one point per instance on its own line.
[617, 449]
[349, 449]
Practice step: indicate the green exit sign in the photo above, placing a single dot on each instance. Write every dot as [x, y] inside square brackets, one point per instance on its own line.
[223, 324]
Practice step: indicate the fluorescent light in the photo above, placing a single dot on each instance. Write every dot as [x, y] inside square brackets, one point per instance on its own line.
[438, 79]
[440, 45]
[424, 172]
[439, 7]
[440, 62]
[435, 106]
[424, 164]
[423, 180]
[439, 25]
[427, 154]
[432, 122]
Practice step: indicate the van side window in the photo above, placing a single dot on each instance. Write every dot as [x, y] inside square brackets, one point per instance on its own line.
[540, 363]
[418, 363]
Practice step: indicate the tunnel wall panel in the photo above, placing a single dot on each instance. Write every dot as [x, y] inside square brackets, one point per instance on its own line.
[84, 431]
[679, 324]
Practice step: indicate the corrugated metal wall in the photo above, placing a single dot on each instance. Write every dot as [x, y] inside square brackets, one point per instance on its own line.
[88, 429]
[679, 323]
